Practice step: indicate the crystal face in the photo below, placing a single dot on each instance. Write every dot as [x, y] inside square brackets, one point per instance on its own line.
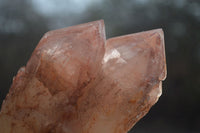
[76, 81]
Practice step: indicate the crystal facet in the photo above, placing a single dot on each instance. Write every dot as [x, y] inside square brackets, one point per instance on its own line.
[76, 82]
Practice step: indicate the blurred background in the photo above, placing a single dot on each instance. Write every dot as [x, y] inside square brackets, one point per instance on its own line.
[23, 22]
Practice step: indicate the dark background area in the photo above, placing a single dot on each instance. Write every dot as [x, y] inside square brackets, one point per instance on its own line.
[23, 22]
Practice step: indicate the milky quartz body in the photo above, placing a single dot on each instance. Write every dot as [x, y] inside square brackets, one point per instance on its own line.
[77, 82]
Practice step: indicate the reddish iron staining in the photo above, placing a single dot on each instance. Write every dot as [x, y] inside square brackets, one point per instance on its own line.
[76, 81]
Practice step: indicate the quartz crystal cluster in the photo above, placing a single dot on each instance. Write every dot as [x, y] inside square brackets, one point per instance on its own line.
[76, 81]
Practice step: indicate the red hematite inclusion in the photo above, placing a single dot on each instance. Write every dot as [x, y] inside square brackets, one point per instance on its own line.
[76, 81]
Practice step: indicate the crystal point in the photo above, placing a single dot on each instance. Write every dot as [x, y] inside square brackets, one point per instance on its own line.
[76, 82]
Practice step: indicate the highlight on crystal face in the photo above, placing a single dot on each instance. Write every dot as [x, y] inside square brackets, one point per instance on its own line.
[76, 81]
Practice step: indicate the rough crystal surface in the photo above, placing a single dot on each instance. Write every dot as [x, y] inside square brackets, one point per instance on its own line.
[76, 82]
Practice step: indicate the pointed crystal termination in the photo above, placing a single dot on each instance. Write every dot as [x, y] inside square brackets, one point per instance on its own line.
[75, 82]
[134, 65]
[71, 57]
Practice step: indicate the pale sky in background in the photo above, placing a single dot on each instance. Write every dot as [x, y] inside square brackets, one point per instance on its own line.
[63, 13]
[52, 7]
